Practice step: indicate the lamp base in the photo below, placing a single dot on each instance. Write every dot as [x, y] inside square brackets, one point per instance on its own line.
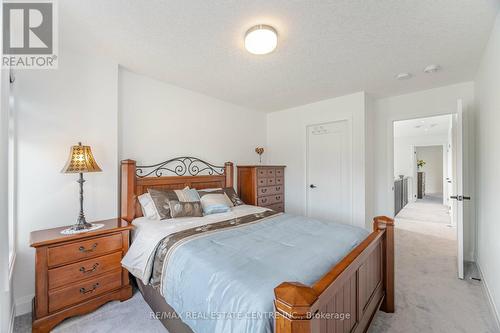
[75, 229]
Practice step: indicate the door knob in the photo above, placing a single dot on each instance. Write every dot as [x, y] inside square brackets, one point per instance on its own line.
[312, 186]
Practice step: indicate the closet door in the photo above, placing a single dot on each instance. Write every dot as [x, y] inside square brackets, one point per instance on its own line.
[329, 174]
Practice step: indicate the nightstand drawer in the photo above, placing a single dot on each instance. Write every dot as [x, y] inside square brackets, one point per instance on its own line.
[85, 249]
[84, 290]
[84, 269]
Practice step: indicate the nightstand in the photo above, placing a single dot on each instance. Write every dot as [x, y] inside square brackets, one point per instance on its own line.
[75, 274]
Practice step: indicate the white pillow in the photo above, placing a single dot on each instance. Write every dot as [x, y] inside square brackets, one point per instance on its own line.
[148, 207]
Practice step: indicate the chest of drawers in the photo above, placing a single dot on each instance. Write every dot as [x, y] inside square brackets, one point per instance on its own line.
[75, 274]
[262, 185]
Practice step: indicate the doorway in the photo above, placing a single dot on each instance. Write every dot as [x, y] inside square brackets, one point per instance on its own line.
[428, 164]
[329, 171]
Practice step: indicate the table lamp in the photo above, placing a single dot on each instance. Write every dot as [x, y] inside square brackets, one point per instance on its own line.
[81, 161]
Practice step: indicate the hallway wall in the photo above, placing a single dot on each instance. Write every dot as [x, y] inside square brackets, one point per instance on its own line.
[433, 157]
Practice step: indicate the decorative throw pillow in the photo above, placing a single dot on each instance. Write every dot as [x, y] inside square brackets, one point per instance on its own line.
[148, 207]
[185, 209]
[162, 197]
[214, 201]
[231, 194]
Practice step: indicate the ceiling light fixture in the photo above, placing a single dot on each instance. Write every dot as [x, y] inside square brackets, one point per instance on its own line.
[261, 39]
[403, 76]
[432, 69]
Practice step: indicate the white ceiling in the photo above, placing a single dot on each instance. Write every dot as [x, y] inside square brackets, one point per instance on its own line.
[422, 126]
[326, 48]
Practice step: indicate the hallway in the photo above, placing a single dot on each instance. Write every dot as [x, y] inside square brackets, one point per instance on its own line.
[429, 296]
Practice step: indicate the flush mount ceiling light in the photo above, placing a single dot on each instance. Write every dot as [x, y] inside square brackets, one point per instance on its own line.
[403, 76]
[261, 39]
[432, 69]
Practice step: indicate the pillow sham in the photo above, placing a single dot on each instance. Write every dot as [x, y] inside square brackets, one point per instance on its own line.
[214, 201]
[148, 207]
[185, 209]
[162, 197]
[231, 194]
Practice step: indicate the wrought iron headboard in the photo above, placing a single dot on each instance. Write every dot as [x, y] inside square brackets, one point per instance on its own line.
[180, 166]
[175, 173]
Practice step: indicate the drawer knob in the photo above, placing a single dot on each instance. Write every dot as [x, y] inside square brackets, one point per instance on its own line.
[85, 291]
[83, 270]
[83, 249]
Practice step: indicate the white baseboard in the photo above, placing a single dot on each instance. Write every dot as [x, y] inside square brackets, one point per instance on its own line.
[23, 305]
[496, 314]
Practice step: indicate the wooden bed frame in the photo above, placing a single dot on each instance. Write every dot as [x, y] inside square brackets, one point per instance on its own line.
[343, 300]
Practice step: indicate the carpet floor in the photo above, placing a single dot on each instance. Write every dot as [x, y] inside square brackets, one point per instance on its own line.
[429, 296]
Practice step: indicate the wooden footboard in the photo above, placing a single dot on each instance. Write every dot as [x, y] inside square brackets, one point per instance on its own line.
[347, 297]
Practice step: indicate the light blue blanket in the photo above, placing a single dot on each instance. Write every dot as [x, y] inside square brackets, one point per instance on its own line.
[224, 282]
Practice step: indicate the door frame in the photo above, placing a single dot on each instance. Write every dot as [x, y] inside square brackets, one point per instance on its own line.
[467, 137]
[351, 181]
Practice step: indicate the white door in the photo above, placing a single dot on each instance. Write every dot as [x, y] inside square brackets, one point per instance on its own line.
[458, 197]
[329, 180]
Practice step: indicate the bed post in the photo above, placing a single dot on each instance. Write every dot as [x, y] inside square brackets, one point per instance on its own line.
[228, 171]
[293, 304]
[127, 191]
[387, 224]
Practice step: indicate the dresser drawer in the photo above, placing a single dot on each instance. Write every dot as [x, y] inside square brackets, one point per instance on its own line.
[270, 172]
[271, 181]
[279, 207]
[68, 253]
[265, 191]
[269, 200]
[261, 172]
[279, 181]
[261, 181]
[278, 189]
[279, 172]
[84, 269]
[81, 291]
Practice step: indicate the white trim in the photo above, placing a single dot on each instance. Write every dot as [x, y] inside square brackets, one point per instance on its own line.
[11, 318]
[12, 262]
[491, 302]
[23, 304]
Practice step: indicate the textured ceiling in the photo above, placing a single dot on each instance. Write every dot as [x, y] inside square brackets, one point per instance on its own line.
[326, 48]
[422, 126]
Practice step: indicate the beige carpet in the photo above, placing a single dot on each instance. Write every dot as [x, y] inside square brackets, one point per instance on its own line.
[429, 297]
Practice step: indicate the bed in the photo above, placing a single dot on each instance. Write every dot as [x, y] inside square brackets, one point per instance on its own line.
[252, 269]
